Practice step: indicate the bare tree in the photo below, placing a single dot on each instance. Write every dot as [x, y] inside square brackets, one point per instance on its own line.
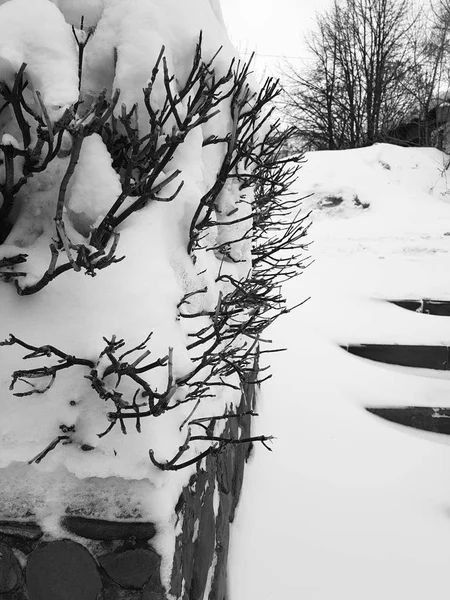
[353, 92]
[427, 79]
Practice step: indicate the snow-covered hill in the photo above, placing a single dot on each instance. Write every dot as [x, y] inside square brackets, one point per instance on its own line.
[347, 505]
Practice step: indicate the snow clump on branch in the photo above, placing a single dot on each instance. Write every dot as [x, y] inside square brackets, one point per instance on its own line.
[35, 32]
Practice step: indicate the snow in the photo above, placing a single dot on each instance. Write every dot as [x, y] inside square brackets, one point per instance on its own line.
[48, 50]
[129, 38]
[90, 10]
[94, 186]
[348, 505]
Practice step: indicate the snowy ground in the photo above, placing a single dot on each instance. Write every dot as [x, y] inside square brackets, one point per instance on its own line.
[347, 505]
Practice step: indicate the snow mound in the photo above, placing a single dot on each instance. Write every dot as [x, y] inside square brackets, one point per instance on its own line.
[385, 179]
[350, 494]
[48, 50]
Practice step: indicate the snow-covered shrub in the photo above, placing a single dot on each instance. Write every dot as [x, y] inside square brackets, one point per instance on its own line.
[170, 167]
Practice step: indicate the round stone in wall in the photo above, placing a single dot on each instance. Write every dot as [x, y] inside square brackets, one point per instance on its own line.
[131, 569]
[62, 570]
[154, 590]
[153, 594]
[10, 571]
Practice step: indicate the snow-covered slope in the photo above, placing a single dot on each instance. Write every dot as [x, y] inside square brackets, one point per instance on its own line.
[347, 505]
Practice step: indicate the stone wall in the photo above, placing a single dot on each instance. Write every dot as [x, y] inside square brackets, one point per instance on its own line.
[116, 561]
[120, 563]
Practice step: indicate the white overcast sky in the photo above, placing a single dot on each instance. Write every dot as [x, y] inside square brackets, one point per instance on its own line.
[270, 27]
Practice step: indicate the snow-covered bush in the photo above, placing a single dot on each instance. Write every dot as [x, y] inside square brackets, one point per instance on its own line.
[141, 153]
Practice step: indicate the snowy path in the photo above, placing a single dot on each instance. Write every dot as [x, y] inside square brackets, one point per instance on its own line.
[347, 505]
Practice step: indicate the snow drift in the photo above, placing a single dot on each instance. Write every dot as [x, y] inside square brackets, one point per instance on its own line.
[356, 507]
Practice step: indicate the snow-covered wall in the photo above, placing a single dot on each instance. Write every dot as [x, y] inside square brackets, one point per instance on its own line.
[101, 559]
